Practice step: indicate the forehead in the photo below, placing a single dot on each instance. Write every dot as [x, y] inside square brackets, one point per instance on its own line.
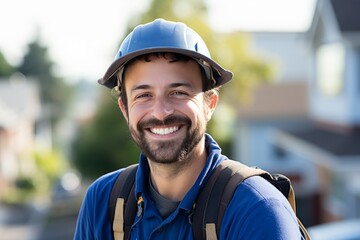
[163, 66]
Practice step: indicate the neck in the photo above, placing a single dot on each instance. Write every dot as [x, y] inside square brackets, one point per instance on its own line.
[173, 181]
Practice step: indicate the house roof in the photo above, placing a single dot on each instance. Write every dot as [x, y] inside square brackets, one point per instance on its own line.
[274, 101]
[347, 14]
[335, 21]
[339, 144]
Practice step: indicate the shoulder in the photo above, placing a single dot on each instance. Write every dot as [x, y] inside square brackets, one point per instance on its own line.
[98, 192]
[259, 211]
[257, 192]
[93, 220]
[102, 186]
[259, 188]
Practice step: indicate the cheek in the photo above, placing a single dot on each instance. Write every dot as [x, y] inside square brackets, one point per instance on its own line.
[136, 114]
[196, 111]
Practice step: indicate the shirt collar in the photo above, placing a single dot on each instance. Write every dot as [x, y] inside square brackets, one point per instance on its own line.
[213, 160]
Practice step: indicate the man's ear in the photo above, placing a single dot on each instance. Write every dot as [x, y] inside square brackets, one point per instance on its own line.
[211, 105]
[123, 109]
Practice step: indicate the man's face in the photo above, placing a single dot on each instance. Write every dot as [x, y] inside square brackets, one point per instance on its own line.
[166, 113]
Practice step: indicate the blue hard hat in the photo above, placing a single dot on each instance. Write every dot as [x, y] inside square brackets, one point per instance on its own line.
[165, 36]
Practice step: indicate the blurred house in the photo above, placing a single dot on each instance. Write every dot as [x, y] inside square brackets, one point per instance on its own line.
[332, 142]
[274, 106]
[19, 109]
[311, 130]
[278, 107]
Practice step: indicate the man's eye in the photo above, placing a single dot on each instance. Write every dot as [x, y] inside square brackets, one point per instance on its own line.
[179, 93]
[143, 95]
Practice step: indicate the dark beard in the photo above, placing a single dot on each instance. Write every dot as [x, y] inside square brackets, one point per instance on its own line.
[168, 152]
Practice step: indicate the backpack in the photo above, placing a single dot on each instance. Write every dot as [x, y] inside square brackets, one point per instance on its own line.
[210, 205]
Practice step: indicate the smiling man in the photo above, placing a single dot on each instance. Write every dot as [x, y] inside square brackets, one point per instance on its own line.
[167, 115]
[168, 90]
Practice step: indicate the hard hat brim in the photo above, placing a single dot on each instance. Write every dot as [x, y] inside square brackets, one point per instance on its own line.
[221, 75]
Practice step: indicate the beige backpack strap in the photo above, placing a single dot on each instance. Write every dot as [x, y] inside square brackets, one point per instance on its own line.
[119, 220]
[210, 229]
[291, 199]
[303, 230]
[122, 203]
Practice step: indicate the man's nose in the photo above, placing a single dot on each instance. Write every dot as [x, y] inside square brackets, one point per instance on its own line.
[162, 108]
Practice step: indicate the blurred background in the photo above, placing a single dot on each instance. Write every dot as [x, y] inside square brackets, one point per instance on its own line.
[292, 108]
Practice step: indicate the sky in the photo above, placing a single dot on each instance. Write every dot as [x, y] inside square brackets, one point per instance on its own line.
[83, 35]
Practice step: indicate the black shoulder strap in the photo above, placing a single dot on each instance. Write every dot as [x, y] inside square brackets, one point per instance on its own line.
[209, 209]
[216, 195]
[124, 188]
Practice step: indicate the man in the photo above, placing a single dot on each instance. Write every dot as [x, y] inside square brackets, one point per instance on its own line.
[168, 86]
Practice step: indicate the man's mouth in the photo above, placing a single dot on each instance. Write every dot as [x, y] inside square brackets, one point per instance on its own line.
[164, 131]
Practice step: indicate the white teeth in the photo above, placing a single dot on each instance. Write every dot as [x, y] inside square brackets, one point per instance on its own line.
[164, 131]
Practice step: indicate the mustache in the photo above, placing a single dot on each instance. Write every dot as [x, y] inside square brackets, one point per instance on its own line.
[170, 120]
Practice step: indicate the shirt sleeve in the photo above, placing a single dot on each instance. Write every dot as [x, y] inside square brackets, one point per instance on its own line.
[84, 228]
[259, 211]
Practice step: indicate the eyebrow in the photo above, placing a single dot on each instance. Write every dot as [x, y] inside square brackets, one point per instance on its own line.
[176, 85]
[140, 87]
[173, 85]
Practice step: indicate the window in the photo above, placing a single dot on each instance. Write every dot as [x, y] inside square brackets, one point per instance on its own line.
[330, 61]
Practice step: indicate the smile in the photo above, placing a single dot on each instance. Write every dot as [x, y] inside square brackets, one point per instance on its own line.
[164, 131]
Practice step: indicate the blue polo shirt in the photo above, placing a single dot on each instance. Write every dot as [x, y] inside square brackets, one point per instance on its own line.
[257, 210]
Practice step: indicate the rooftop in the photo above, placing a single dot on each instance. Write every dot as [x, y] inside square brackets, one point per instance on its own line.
[347, 14]
[339, 144]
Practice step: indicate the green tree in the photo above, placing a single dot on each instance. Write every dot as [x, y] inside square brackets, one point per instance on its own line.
[5, 68]
[54, 91]
[104, 144]
[231, 50]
